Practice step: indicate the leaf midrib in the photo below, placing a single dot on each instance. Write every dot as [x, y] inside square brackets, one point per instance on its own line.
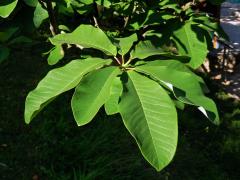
[146, 120]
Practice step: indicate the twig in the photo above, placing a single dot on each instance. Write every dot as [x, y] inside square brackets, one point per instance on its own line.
[95, 22]
[42, 4]
[117, 60]
[47, 4]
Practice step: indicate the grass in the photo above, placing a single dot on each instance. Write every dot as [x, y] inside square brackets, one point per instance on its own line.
[53, 147]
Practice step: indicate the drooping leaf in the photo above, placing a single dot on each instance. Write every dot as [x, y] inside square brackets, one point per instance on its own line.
[185, 87]
[178, 66]
[111, 106]
[58, 81]
[145, 49]
[126, 43]
[191, 41]
[91, 93]
[87, 36]
[6, 7]
[4, 53]
[55, 55]
[150, 116]
[40, 15]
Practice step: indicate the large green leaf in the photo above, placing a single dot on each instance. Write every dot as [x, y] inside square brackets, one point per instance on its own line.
[111, 106]
[87, 36]
[91, 93]
[145, 49]
[6, 7]
[126, 43]
[58, 81]
[186, 87]
[190, 41]
[150, 116]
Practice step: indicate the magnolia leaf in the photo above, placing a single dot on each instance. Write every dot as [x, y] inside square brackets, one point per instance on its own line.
[57, 81]
[55, 55]
[40, 15]
[145, 49]
[126, 43]
[191, 41]
[105, 3]
[91, 93]
[178, 66]
[6, 7]
[185, 87]
[87, 36]
[151, 118]
[111, 106]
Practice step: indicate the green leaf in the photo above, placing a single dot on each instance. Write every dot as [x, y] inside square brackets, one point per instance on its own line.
[20, 40]
[4, 53]
[185, 86]
[58, 81]
[190, 41]
[40, 15]
[32, 3]
[91, 93]
[6, 7]
[55, 55]
[145, 49]
[7, 34]
[178, 66]
[105, 3]
[111, 106]
[150, 116]
[87, 36]
[126, 43]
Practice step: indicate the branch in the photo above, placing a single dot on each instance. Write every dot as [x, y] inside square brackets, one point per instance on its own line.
[47, 5]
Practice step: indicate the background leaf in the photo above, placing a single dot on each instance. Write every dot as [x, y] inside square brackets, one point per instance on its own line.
[4, 53]
[40, 15]
[190, 41]
[55, 55]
